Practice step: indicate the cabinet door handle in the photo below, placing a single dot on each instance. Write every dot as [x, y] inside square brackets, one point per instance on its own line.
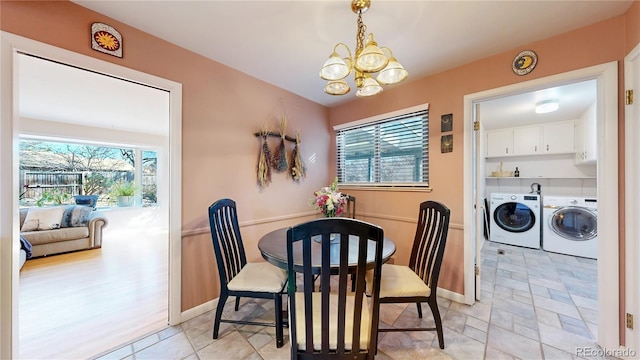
[535, 148]
[547, 147]
[506, 150]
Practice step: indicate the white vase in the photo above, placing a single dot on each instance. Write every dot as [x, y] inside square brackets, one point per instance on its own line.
[125, 201]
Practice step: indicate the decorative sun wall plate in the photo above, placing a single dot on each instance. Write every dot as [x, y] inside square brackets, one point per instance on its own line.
[106, 39]
[524, 62]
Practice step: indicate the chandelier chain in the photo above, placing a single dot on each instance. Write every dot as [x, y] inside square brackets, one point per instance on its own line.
[362, 28]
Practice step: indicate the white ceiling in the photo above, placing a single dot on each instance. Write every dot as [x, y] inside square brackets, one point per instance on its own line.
[56, 92]
[519, 109]
[286, 42]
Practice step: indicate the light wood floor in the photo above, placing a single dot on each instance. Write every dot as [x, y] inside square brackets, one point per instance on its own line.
[81, 304]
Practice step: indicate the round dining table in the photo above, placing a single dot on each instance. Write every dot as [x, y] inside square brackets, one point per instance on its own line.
[273, 247]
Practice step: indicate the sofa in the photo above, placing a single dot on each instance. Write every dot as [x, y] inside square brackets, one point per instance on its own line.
[61, 229]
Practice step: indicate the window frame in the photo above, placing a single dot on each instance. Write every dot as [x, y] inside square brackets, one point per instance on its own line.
[377, 120]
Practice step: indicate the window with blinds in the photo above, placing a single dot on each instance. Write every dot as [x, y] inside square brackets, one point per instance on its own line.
[393, 151]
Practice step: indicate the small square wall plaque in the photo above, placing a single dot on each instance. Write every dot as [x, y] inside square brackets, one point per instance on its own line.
[446, 122]
[446, 144]
[106, 39]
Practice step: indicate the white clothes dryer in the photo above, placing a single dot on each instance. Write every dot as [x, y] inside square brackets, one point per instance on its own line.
[515, 219]
[570, 225]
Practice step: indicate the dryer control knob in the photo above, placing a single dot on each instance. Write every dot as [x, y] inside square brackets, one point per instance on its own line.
[513, 197]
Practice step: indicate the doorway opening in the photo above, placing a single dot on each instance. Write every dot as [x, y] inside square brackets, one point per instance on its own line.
[605, 77]
[13, 126]
[124, 280]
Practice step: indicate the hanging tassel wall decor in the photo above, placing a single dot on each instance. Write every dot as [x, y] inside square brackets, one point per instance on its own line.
[264, 169]
[279, 162]
[297, 169]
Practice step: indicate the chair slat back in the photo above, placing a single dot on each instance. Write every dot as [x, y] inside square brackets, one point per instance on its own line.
[357, 238]
[429, 242]
[227, 241]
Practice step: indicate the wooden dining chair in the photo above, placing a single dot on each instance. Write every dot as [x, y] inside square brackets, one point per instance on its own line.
[350, 212]
[350, 206]
[418, 282]
[238, 277]
[333, 322]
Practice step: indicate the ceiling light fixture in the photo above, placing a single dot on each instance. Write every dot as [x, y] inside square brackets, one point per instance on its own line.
[369, 59]
[547, 106]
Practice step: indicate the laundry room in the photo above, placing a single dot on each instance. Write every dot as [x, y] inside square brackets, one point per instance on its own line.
[539, 171]
[544, 155]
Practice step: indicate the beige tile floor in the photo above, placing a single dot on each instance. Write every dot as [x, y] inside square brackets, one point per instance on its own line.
[535, 305]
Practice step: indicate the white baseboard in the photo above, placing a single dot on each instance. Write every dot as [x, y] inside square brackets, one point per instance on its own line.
[450, 295]
[198, 310]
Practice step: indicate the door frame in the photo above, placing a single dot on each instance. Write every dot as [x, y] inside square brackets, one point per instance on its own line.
[479, 188]
[10, 45]
[632, 199]
[606, 76]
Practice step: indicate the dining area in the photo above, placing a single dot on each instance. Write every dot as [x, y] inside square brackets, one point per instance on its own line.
[344, 283]
[320, 288]
[259, 324]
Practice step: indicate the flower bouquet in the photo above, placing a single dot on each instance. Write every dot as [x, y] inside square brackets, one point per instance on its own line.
[329, 200]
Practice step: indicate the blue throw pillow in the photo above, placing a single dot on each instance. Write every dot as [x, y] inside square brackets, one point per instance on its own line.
[26, 246]
[76, 216]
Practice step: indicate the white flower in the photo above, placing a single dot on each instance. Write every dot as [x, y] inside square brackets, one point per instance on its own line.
[329, 200]
[330, 205]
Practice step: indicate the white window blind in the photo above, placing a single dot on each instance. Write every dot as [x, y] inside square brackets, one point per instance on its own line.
[391, 151]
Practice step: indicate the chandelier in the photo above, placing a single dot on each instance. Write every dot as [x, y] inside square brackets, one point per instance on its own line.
[369, 60]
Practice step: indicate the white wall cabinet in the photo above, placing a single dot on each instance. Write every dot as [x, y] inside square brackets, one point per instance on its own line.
[499, 142]
[558, 137]
[551, 138]
[586, 142]
[526, 140]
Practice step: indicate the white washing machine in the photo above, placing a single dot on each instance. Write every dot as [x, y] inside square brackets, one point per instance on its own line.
[570, 225]
[515, 219]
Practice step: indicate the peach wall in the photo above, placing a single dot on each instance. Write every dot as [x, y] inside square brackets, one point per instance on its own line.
[221, 110]
[633, 26]
[445, 92]
[223, 107]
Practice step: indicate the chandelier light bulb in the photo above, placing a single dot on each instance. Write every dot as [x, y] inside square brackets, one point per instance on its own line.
[393, 73]
[371, 59]
[369, 88]
[338, 87]
[335, 68]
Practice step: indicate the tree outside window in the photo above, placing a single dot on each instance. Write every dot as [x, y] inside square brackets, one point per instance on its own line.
[68, 169]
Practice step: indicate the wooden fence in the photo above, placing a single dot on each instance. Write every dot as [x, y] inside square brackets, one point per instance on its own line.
[34, 183]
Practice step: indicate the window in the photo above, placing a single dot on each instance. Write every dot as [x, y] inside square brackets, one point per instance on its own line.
[54, 172]
[149, 177]
[393, 150]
